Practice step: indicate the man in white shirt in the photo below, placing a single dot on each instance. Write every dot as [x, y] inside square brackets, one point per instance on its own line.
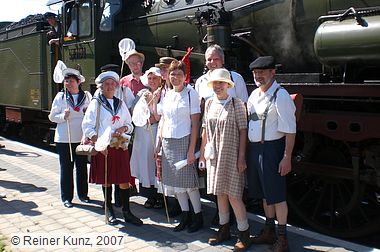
[214, 56]
[271, 133]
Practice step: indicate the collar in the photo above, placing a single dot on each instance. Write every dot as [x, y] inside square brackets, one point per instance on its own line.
[272, 88]
[80, 101]
[104, 102]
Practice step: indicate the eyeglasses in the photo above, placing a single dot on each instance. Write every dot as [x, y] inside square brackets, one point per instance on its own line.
[134, 63]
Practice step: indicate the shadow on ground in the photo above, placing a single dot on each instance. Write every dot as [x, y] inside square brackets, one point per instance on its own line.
[21, 187]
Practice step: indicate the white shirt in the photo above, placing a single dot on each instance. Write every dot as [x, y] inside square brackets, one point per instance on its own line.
[75, 118]
[280, 118]
[123, 93]
[105, 119]
[176, 109]
[238, 91]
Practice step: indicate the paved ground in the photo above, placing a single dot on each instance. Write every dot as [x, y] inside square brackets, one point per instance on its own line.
[32, 208]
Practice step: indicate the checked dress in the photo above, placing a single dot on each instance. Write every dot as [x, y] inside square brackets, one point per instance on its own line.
[222, 171]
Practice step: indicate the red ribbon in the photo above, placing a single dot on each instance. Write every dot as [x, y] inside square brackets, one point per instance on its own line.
[77, 109]
[115, 118]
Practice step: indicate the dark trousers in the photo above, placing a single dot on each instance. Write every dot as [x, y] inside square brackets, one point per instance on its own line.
[67, 167]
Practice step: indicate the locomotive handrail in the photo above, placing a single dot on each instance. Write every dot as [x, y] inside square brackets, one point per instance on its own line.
[79, 43]
[176, 10]
[341, 17]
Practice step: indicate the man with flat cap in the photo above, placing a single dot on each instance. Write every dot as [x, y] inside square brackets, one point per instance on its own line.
[54, 32]
[271, 133]
[164, 64]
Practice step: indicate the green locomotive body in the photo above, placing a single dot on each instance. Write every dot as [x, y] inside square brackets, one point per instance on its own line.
[328, 51]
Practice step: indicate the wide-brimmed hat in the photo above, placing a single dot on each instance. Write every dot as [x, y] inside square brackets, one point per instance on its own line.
[164, 61]
[107, 75]
[70, 72]
[264, 62]
[154, 70]
[220, 74]
[134, 52]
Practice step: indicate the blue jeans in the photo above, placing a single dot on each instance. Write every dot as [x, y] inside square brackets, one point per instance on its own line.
[66, 174]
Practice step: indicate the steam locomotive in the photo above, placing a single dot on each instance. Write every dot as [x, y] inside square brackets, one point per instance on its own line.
[328, 51]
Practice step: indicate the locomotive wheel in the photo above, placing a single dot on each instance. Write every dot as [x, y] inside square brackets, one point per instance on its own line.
[326, 197]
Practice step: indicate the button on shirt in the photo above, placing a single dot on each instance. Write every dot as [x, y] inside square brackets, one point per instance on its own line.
[238, 91]
[176, 109]
[280, 118]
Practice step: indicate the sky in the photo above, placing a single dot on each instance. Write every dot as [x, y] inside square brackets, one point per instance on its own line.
[15, 10]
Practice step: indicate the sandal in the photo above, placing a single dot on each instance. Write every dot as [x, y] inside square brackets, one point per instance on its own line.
[149, 203]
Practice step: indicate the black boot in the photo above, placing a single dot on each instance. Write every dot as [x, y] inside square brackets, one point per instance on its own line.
[128, 216]
[117, 196]
[111, 219]
[185, 221]
[197, 223]
[174, 208]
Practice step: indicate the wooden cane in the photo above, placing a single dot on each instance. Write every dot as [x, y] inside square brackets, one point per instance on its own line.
[68, 127]
[122, 67]
[162, 185]
[105, 188]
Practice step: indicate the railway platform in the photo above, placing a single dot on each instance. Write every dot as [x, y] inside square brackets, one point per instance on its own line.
[32, 209]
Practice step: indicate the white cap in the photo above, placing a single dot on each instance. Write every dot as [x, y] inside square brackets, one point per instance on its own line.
[73, 72]
[154, 70]
[107, 75]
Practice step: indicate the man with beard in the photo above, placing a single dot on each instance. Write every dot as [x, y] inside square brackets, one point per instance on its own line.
[271, 133]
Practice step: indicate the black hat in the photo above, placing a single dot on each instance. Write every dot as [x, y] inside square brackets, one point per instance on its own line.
[265, 62]
[110, 67]
[49, 15]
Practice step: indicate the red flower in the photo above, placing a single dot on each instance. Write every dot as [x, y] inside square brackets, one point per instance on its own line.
[115, 118]
[77, 109]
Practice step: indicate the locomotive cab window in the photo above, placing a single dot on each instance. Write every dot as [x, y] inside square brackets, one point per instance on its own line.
[111, 8]
[82, 24]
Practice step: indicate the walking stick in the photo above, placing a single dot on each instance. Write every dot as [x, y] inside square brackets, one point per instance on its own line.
[105, 188]
[122, 67]
[162, 185]
[68, 127]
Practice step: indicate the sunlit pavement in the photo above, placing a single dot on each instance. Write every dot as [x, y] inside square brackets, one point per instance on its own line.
[32, 209]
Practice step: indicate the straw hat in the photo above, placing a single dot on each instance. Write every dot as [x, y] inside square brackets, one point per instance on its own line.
[70, 72]
[134, 52]
[220, 74]
[107, 75]
[154, 70]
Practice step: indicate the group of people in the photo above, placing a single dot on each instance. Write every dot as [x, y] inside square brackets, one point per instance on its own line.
[244, 140]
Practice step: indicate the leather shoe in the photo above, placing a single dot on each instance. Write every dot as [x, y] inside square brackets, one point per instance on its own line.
[68, 204]
[84, 199]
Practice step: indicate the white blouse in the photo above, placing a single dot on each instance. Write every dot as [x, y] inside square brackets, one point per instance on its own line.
[75, 118]
[122, 118]
[281, 115]
[176, 109]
